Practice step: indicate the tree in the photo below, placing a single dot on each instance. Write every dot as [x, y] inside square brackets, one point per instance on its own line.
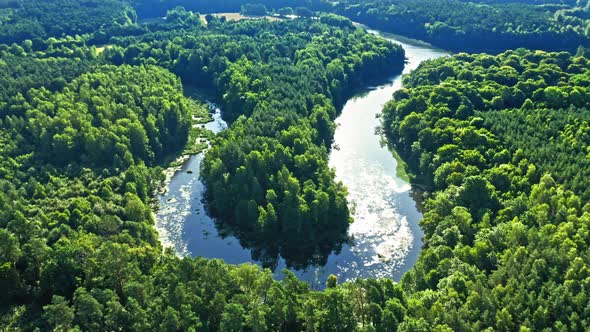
[285, 11]
[477, 193]
[332, 281]
[232, 319]
[554, 97]
[303, 12]
[59, 315]
[254, 9]
[89, 315]
[256, 319]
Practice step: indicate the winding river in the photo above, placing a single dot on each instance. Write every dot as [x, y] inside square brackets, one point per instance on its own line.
[386, 238]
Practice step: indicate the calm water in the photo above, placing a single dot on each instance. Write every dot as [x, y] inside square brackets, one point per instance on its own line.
[386, 238]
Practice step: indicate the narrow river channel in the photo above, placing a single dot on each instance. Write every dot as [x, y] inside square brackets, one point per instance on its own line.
[386, 238]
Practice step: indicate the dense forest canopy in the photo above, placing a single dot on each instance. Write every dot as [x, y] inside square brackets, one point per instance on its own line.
[499, 142]
[487, 25]
[83, 138]
[31, 19]
[158, 8]
[469, 26]
[503, 142]
[492, 26]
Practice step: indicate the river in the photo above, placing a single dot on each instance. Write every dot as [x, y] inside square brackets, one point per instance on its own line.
[386, 237]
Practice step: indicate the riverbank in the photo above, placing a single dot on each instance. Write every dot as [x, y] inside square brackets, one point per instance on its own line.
[202, 114]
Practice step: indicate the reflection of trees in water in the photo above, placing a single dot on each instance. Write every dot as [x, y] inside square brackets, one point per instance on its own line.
[299, 254]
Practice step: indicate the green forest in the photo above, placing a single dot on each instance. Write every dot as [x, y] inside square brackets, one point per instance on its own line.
[93, 108]
[502, 142]
[457, 25]
[268, 174]
[473, 26]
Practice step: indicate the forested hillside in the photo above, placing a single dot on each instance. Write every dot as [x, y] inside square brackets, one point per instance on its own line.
[502, 142]
[20, 73]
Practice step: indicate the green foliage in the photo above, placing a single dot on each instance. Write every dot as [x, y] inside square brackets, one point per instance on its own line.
[85, 122]
[59, 315]
[48, 69]
[564, 154]
[285, 11]
[470, 26]
[72, 214]
[483, 25]
[180, 18]
[55, 18]
[81, 141]
[498, 228]
[158, 8]
[254, 9]
[79, 166]
[268, 175]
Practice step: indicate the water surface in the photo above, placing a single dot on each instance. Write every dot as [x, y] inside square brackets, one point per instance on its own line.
[387, 238]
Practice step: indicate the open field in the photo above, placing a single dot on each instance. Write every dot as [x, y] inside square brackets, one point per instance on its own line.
[100, 49]
[238, 17]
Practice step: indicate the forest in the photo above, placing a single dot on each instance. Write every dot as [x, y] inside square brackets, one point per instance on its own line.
[57, 18]
[457, 25]
[93, 108]
[502, 141]
[85, 136]
[268, 174]
[489, 26]
[475, 27]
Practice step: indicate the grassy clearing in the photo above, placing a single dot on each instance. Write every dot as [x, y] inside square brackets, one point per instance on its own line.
[402, 167]
[199, 136]
[239, 17]
[101, 49]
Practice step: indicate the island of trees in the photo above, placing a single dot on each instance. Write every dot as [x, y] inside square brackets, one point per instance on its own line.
[268, 175]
